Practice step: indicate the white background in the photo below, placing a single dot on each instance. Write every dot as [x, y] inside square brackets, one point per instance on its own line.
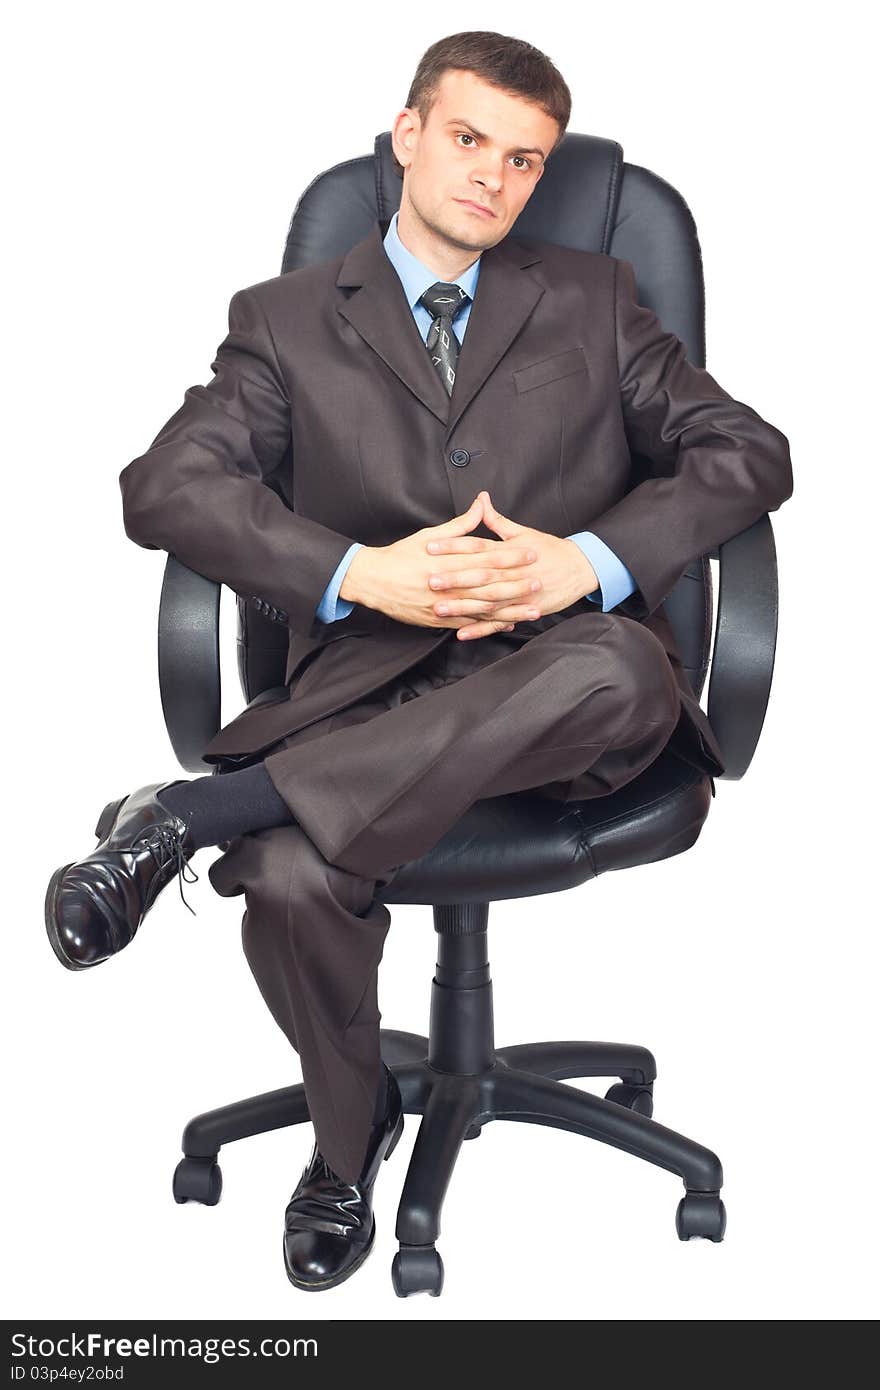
[153, 160]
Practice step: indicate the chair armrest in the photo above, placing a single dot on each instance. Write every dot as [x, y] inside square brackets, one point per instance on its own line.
[189, 662]
[745, 643]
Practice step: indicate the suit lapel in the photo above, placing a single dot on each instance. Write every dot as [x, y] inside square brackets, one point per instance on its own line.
[379, 312]
[504, 300]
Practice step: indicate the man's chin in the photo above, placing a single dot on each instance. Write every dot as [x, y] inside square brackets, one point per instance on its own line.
[466, 238]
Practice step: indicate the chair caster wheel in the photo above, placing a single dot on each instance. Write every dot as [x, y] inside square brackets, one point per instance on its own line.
[417, 1269]
[637, 1098]
[198, 1180]
[473, 1132]
[701, 1214]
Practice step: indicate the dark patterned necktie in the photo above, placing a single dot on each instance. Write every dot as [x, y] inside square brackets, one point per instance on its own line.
[444, 302]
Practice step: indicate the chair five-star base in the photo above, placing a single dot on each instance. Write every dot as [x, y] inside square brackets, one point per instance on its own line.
[458, 1082]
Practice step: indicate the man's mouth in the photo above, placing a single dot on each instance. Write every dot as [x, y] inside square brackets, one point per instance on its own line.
[476, 207]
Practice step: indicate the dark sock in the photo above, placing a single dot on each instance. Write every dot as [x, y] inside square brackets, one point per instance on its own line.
[217, 808]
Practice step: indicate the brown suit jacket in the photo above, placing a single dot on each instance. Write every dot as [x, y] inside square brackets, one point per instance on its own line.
[326, 422]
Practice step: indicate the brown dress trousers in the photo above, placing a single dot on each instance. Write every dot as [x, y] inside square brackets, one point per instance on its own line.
[575, 710]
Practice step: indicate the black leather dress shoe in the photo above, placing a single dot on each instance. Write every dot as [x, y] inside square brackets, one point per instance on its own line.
[329, 1227]
[95, 906]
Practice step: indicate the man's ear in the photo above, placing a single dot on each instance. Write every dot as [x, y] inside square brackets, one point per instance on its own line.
[402, 132]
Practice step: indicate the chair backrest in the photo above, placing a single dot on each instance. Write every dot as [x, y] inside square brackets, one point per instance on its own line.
[588, 199]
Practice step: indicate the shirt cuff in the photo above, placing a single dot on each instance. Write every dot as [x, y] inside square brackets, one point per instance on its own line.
[332, 607]
[615, 581]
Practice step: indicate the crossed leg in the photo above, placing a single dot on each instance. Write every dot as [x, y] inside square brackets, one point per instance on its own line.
[595, 694]
[592, 701]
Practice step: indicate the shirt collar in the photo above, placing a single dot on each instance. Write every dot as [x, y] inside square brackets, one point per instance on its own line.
[416, 277]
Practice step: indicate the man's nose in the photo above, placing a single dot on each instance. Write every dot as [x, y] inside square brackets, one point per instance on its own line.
[487, 179]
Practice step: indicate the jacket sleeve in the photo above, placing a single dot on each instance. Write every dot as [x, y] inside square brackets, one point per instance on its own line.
[203, 491]
[716, 465]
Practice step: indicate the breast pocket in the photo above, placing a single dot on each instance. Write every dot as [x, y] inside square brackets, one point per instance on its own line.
[550, 369]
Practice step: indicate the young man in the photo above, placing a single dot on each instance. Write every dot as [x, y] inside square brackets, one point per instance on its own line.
[391, 730]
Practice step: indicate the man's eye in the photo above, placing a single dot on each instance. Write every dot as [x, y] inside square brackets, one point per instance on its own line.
[465, 135]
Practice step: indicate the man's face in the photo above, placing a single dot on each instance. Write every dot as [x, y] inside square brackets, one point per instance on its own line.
[478, 145]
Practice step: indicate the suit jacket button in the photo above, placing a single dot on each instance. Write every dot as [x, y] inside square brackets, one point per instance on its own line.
[460, 457]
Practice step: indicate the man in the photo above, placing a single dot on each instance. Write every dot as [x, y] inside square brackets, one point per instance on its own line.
[304, 476]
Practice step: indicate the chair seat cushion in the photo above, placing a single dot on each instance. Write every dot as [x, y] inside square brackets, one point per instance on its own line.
[519, 845]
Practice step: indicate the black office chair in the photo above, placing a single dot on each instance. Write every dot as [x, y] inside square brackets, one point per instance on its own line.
[517, 845]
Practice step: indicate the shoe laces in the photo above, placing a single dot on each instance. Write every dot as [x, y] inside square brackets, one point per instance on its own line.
[165, 842]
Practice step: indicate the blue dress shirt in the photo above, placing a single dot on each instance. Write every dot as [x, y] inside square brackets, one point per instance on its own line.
[615, 581]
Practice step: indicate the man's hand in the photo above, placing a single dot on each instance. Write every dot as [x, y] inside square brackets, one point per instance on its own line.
[560, 574]
[394, 578]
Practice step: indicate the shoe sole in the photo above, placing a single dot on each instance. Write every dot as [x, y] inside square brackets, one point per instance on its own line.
[319, 1285]
[106, 822]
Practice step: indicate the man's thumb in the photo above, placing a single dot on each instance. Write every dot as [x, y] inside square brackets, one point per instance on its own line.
[460, 525]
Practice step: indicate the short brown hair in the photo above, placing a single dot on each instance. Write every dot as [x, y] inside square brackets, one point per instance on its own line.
[513, 65]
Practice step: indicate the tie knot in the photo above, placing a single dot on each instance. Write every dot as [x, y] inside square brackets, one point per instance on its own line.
[443, 300]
